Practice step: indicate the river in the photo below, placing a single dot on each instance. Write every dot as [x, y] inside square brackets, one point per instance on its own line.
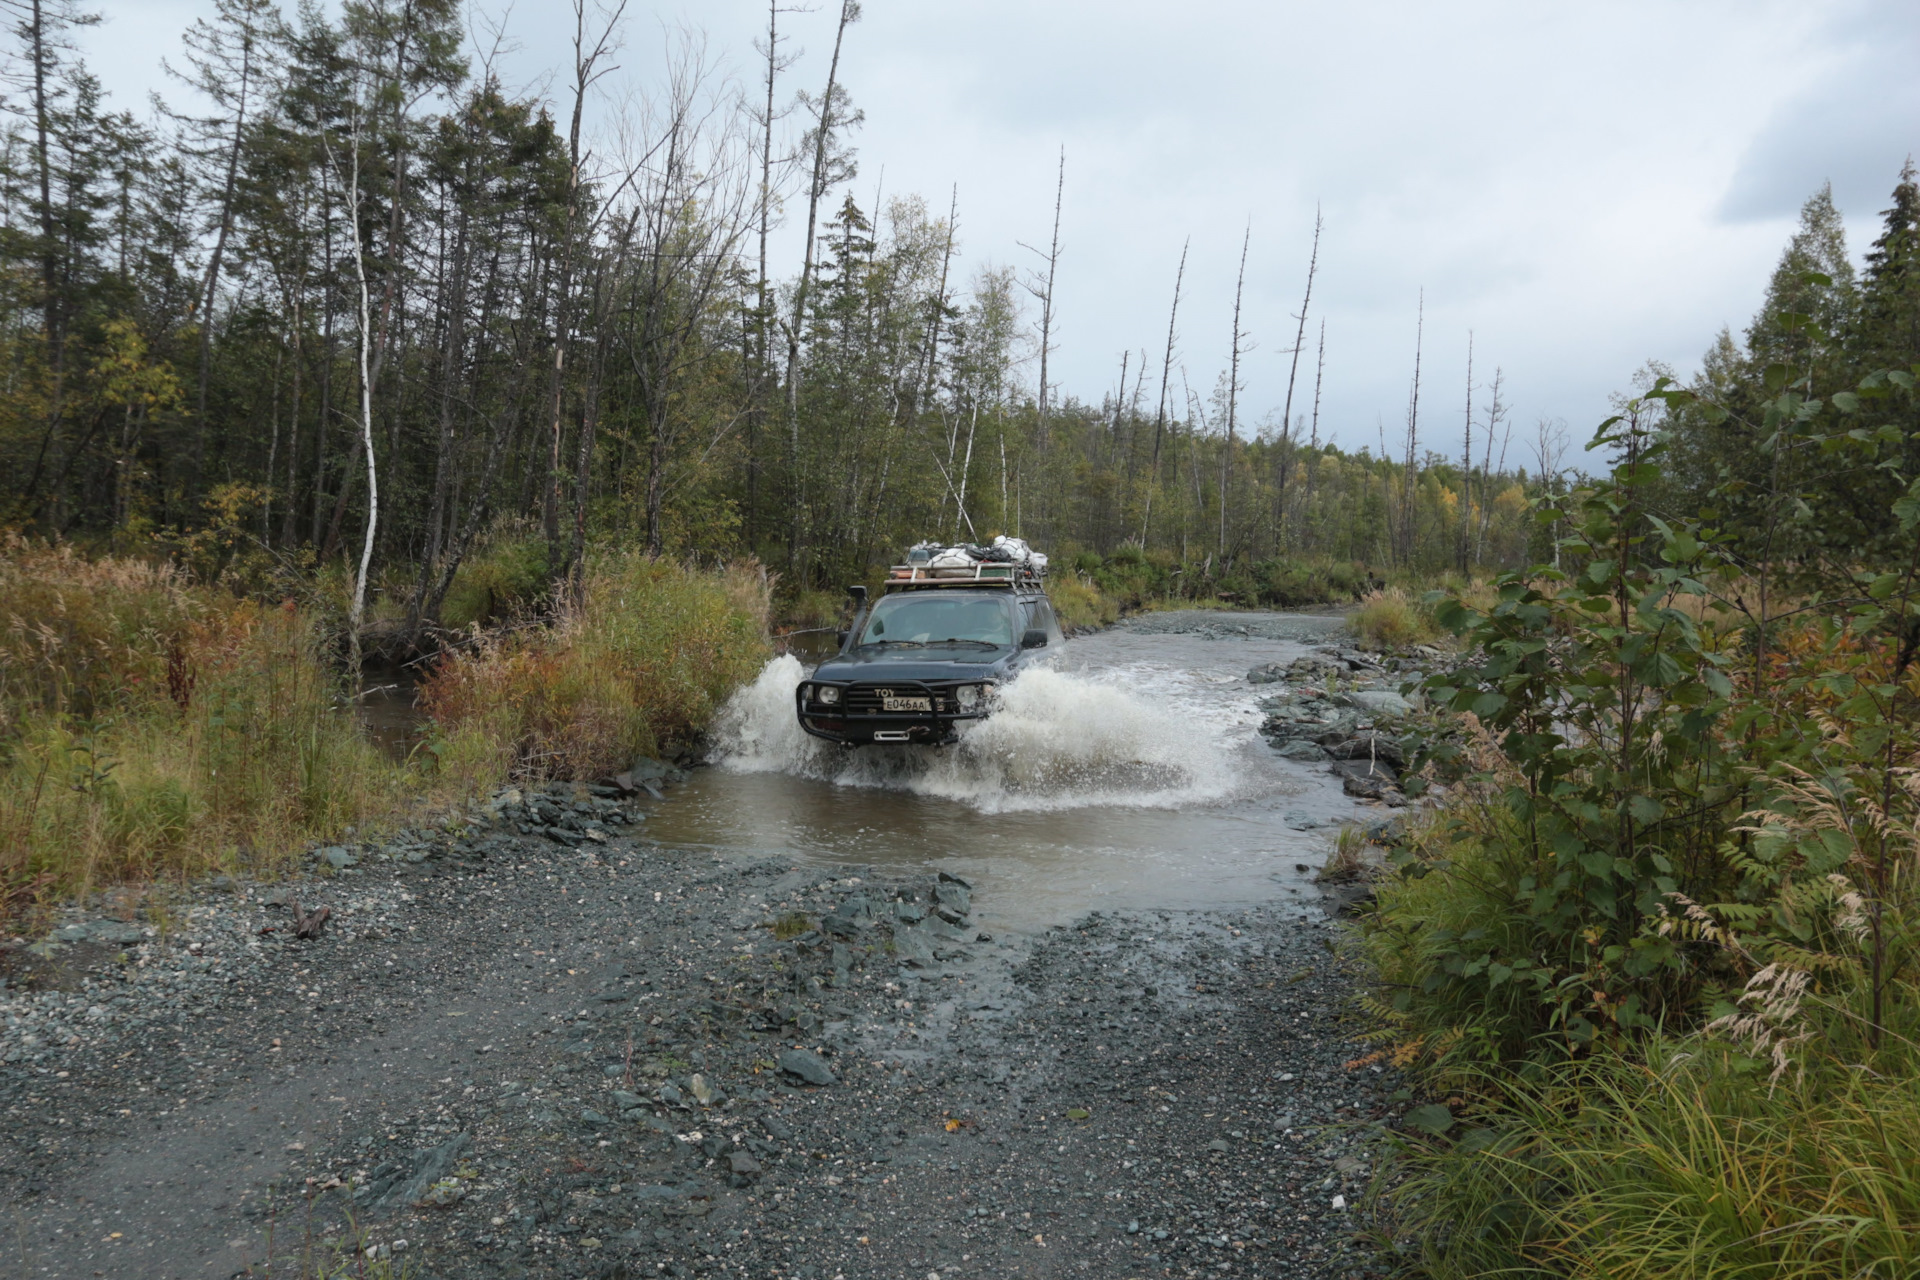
[1127, 773]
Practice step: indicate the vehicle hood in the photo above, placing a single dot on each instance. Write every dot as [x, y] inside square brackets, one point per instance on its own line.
[908, 664]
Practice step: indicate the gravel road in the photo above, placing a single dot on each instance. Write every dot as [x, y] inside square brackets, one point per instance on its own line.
[538, 1044]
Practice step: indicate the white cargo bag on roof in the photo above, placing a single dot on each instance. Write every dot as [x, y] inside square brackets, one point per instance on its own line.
[951, 558]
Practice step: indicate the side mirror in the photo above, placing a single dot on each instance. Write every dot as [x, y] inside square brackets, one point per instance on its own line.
[1034, 639]
[840, 638]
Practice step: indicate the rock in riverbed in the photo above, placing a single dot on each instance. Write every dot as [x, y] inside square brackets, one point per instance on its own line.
[808, 1066]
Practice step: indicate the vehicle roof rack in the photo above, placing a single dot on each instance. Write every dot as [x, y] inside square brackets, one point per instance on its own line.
[989, 573]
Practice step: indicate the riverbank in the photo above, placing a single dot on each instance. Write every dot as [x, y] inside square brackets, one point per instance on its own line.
[155, 729]
[497, 1054]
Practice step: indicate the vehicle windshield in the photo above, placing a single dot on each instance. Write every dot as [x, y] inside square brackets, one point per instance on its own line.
[934, 619]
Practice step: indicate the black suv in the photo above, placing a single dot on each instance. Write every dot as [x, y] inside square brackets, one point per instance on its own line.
[926, 656]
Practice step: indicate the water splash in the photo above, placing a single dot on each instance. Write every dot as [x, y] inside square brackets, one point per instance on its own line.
[1055, 741]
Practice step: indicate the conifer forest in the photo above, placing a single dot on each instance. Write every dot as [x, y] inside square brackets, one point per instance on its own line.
[366, 309]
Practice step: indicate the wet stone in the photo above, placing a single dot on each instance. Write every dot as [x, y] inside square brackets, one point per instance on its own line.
[808, 1066]
[913, 946]
[1370, 746]
[953, 897]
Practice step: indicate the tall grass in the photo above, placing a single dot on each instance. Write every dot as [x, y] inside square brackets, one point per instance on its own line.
[1080, 604]
[151, 726]
[640, 668]
[1685, 1162]
[1390, 618]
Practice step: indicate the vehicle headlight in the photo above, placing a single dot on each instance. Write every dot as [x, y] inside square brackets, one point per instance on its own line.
[967, 697]
[827, 695]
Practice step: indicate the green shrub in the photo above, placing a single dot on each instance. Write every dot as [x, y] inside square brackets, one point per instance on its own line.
[505, 578]
[1667, 951]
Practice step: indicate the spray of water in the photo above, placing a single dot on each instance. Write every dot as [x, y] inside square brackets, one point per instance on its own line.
[1055, 741]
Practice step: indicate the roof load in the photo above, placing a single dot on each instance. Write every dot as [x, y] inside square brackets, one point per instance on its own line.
[1007, 560]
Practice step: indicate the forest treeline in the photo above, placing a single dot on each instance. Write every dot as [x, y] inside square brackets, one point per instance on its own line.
[356, 304]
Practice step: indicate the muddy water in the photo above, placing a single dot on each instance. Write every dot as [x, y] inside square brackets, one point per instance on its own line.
[1126, 774]
[387, 708]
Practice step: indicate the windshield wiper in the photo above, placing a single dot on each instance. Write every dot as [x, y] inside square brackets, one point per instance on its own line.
[985, 644]
[881, 644]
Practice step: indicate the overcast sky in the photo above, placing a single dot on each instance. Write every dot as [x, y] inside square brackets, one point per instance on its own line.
[1584, 187]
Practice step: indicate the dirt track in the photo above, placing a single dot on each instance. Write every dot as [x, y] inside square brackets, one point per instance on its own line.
[473, 1061]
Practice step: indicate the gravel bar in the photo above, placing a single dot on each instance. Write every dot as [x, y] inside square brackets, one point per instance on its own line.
[536, 1044]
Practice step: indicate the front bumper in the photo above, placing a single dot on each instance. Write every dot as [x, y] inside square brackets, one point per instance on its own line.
[859, 720]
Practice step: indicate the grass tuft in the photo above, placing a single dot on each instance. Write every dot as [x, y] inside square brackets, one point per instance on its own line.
[792, 925]
[1390, 619]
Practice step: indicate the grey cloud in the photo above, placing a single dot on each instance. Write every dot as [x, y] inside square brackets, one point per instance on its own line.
[1853, 126]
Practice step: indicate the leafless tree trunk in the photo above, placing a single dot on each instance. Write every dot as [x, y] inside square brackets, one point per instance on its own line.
[763, 312]
[1166, 373]
[1233, 386]
[1407, 480]
[358, 608]
[1496, 414]
[1312, 469]
[587, 57]
[289, 517]
[1293, 372]
[1042, 289]
[1466, 467]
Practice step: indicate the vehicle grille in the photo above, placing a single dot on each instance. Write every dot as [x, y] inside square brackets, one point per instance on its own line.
[864, 699]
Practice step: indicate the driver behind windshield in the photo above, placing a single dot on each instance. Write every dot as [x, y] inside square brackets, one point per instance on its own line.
[923, 619]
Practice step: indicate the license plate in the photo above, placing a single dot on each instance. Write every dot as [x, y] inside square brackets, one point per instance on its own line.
[906, 704]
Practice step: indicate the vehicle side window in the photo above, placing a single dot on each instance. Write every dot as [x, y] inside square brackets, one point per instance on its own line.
[1040, 618]
[1052, 623]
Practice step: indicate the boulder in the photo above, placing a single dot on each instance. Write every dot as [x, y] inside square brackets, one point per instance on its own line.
[1366, 779]
[1370, 746]
[807, 1066]
[1381, 704]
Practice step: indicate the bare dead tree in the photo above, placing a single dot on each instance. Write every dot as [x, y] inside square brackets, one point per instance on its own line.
[1166, 373]
[1496, 418]
[356, 611]
[1549, 447]
[1234, 352]
[225, 57]
[1313, 445]
[691, 208]
[1285, 452]
[1466, 467]
[1042, 290]
[1408, 489]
